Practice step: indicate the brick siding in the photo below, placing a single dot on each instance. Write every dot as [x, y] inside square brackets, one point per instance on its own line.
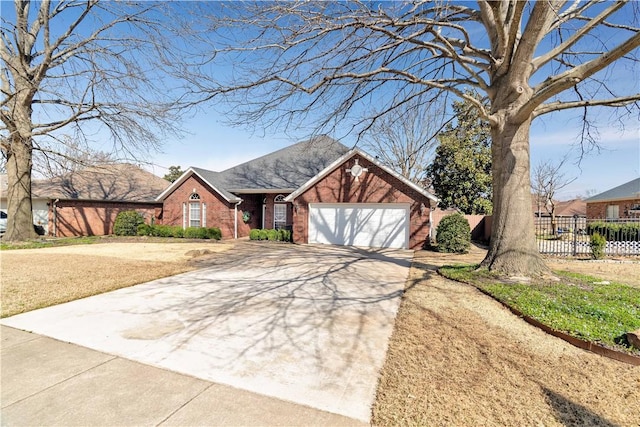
[92, 218]
[598, 210]
[374, 186]
[219, 212]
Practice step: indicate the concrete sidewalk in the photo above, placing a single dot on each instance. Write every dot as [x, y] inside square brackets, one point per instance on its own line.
[48, 382]
[305, 324]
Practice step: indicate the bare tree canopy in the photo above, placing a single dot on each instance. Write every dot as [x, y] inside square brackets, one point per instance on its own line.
[546, 180]
[89, 69]
[72, 155]
[345, 65]
[405, 139]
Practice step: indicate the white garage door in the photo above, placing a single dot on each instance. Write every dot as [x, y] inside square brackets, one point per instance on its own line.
[360, 224]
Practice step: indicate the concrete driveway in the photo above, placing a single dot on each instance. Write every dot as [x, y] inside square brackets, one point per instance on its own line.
[307, 324]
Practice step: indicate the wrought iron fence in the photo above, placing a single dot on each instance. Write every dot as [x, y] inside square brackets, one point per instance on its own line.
[572, 235]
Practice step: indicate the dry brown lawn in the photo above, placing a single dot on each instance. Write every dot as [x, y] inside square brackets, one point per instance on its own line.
[458, 358]
[36, 278]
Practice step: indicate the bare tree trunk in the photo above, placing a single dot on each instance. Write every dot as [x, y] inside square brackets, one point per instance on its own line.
[513, 247]
[19, 211]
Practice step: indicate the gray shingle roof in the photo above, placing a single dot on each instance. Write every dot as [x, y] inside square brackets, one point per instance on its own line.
[285, 169]
[629, 190]
[111, 182]
[214, 179]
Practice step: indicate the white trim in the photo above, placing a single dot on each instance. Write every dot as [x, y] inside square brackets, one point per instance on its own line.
[286, 208]
[192, 210]
[184, 215]
[178, 182]
[235, 220]
[353, 152]
[406, 207]
[203, 220]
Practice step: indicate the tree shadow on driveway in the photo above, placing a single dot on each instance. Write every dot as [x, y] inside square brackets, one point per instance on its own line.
[308, 324]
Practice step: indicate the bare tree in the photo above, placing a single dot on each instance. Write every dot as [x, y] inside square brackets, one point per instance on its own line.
[405, 139]
[294, 63]
[547, 180]
[69, 155]
[96, 68]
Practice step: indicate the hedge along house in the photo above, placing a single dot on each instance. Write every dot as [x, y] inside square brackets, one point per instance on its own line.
[318, 188]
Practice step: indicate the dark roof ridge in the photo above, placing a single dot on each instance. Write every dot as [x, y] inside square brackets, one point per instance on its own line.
[277, 153]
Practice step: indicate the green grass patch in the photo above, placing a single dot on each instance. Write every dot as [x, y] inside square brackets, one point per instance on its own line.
[49, 243]
[579, 305]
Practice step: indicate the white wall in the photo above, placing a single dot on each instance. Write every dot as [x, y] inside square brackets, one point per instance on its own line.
[40, 212]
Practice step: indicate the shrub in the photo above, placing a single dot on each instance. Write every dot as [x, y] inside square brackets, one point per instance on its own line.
[195, 233]
[280, 235]
[453, 234]
[598, 244]
[127, 223]
[214, 233]
[161, 231]
[144, 230]
[615, 232]
[286, 235]
[176, 231]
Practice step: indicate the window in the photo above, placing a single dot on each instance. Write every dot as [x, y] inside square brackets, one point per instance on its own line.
[279, 198]
[613, 212]
[279, 215]
[194, 210]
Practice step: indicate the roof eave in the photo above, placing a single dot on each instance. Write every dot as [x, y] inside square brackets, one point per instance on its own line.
[260, 190]
[184, 177]
[614, 199]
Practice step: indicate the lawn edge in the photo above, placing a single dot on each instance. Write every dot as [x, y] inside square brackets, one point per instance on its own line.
[576, 342]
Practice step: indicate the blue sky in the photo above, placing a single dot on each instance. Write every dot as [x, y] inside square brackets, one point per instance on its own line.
[211, 144]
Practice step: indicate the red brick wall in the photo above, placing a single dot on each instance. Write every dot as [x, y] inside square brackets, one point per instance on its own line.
[374, 186]
[91, 218]
[598, 210]
[220, 213]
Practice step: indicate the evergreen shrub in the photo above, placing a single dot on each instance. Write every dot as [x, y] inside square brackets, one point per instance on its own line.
[453, 234]
[598, 243]
[127, 222]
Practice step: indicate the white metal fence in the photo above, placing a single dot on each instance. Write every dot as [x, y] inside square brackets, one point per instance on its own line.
[572, 235]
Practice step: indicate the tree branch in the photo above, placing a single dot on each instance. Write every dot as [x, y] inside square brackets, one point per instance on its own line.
[560, 105]
[557, 84]
[576, 36]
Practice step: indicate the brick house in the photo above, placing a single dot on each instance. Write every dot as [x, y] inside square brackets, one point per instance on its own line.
[86, 202]
[621, 202]
[320, 189]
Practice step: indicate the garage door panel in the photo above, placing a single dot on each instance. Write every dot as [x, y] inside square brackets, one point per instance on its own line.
[371, 225]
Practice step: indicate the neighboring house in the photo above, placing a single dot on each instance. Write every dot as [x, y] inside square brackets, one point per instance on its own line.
[319, 189]
[566, 208]
[86, 202]
[39, 208]
[621, 202]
